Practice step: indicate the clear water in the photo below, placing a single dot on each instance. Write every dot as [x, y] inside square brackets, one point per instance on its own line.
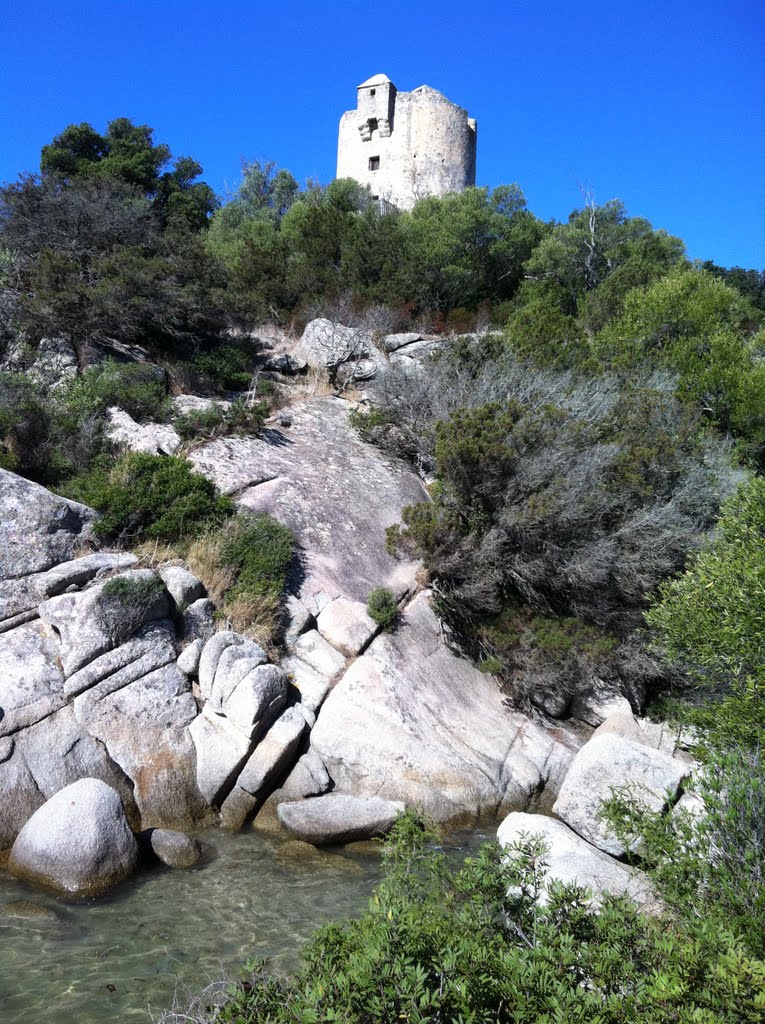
[167, 934]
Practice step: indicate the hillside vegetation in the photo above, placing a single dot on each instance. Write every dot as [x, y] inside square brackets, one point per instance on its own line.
[594, 439]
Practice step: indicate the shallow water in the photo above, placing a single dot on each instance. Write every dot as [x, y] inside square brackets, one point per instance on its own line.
[169, 933]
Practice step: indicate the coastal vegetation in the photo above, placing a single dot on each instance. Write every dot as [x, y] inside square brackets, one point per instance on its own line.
[594, 440]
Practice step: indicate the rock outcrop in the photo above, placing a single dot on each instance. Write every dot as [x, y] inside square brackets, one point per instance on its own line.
[335, 492]
[78, 842]
[38, 529]
[411, 721]
[611, 765]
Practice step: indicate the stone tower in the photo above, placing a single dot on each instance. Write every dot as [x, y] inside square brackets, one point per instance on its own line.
[406, 145]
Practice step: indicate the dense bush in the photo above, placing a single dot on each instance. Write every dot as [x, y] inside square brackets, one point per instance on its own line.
[707, 861]
[42, 435]
[710, 621]
[382, 607]
[127, 601]
[558, 498]
[138, 388]
[149, 496]
[475, 945]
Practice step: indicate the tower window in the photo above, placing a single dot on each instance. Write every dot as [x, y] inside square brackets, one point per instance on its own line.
[371, 92]
[374, 163]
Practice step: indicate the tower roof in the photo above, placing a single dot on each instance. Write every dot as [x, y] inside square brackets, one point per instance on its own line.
[374, 80]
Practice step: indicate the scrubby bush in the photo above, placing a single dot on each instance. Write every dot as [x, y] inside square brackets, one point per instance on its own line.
[239, 419]
[558, 499]
[149, 496]
[127, 601]
[382, 607]
[710, 621]
[138, 388]
[41, 436]
[475, 944]
[229, 366]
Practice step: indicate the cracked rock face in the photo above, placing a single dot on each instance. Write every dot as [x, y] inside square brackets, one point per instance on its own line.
[38, 529]
[335, 492]
[411, 721]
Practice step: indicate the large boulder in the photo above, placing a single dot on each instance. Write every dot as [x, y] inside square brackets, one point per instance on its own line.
[272, 757]
[610, 765]
[326, 344]
[346, 625]
[38, 529]
[337, 493]
[572, 861]
[411, 721]
[19, 598]
[78, 842]
[31, 679]
[337, 818]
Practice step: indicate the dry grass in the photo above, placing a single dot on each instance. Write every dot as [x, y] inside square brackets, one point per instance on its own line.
[204, 558]
[151, 553]
[254, 616]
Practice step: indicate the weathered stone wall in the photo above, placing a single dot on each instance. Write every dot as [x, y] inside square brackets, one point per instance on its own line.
[406, 145]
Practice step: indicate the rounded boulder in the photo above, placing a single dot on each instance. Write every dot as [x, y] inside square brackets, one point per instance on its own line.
[78, 842]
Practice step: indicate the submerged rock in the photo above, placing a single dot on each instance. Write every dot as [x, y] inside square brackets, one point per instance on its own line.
[175, 849]
[78, 842]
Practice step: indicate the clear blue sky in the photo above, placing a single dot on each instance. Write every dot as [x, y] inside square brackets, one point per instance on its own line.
[660, 104]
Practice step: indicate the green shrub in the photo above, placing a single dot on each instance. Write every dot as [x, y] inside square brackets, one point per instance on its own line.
[258, 549]
[41, 436]
[710, 621]
[382, 607]
[239, 419]
[708, 864]
[149, 496]
[138, 388]
[244, 568]
[229, 365]
[199, 422]
[473, 944]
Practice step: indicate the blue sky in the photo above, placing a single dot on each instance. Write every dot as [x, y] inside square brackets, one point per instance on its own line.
[659, 104]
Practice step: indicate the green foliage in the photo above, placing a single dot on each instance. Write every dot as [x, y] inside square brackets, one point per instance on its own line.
[42, 436]
[149, 496]
[710, 621]
[474, 945]
[240, 419]
[229, 366]
[127, 153]
[258, 550]
[382, 607]
[708, 862]
[694, 325]
[139, 389]
[597, 242]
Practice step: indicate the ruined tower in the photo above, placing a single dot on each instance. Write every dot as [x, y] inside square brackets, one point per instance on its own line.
[406, 145]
